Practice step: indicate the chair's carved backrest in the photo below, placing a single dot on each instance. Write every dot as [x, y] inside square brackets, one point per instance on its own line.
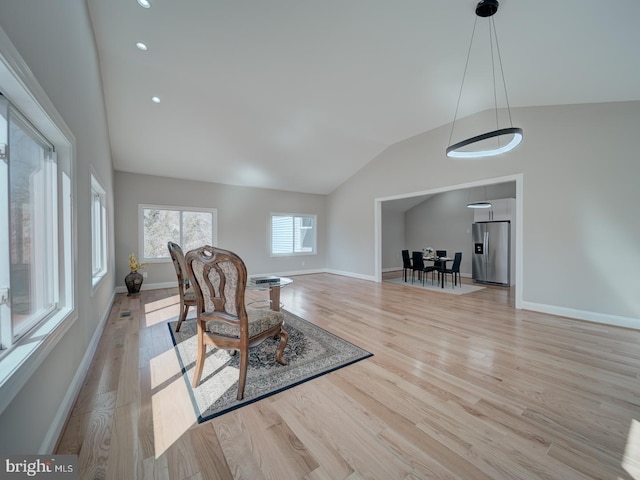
[178, 263]
[219, 279]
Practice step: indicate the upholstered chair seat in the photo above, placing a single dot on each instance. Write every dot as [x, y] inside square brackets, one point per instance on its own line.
[259, 321]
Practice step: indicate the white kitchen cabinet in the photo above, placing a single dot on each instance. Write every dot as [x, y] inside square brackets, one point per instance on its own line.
[501, 209]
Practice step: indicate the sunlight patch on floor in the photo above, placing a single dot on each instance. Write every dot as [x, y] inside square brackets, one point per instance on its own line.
[164, 367]
[160, 304]
[172, 414]
[631, 459]
[162, 311]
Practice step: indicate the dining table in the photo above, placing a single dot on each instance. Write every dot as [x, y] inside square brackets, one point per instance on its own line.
[443, 265]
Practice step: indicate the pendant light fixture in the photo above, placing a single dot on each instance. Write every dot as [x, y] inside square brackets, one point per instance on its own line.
[500, 140]
[482, 204]
[479, 205]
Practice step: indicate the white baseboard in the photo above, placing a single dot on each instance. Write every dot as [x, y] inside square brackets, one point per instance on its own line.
[159, 285]
[64, 410]
[289, 273]
[359, 276]
[615, 320]
[149, 286]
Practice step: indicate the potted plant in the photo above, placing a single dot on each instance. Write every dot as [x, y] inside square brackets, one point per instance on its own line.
[134, 279]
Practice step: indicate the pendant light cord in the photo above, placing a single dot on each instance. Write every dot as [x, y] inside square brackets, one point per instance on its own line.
[504, 83]
[493, 73]
[466, 65]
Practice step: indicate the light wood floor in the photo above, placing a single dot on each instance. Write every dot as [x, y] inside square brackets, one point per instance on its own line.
[459, 387]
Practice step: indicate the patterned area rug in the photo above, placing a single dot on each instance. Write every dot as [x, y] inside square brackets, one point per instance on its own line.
[310, 353]
[460, 289]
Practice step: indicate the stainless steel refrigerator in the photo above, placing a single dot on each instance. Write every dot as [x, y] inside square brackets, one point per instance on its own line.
[491, 252]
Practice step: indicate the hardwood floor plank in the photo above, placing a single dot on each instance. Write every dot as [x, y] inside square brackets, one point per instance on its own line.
[152, 468]
[237, 447]
[123, 452]
[274, 443]
[459, 387]
[210, 456]
[297, 411]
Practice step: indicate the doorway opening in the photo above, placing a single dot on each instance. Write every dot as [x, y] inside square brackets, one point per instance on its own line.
[410, 200]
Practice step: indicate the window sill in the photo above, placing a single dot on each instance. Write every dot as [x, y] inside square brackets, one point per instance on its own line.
[95, 282]
[19, 362]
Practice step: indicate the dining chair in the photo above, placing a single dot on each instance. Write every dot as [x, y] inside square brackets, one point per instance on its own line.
[426, 269]
[187, 297]
[438, 265]
[417, 265]
[219, 280]
[406, 263]
[454, 271]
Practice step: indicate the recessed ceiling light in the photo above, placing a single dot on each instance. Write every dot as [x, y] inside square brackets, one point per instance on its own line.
[155, 99]
[142, 46]
[144, 3]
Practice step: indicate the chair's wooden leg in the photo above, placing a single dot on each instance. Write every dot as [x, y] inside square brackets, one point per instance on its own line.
[284, 338]
[201, 356]
[244, 360]
[183, 315]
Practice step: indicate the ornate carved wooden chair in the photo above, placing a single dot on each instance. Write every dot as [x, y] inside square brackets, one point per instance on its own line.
[187, 295]
[219, 278]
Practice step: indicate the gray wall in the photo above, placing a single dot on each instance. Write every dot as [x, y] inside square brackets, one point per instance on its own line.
[393, 238]
[55, 39]
[243, 222]
[444, 223]
[580, 167]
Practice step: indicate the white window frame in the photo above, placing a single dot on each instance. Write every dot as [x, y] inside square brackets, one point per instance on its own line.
[293, 216]
[20, 360]
[181, 210]
[99, 236]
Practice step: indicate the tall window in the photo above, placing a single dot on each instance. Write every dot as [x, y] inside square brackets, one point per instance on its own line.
[188, 227]
[293, 234]
[32, 227]
[98, 231]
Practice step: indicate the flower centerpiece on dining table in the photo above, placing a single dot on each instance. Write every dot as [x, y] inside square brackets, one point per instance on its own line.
[134, 279]
[429, 252]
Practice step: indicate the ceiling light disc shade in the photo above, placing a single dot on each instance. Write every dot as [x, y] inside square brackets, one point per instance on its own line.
[486, 8]
[479, 205]
[456, 150]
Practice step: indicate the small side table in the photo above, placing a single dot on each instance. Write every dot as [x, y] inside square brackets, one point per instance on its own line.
[273, 287]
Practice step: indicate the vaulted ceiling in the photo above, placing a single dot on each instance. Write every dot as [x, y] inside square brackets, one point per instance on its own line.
[299, 95]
